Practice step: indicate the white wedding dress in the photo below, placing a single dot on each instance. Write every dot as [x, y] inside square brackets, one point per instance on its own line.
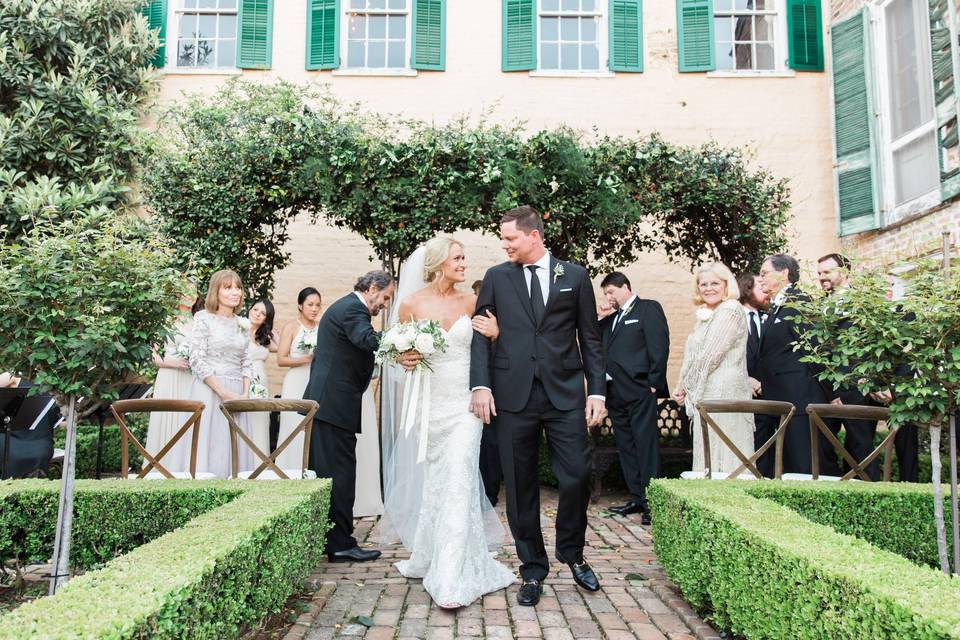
[450, 549]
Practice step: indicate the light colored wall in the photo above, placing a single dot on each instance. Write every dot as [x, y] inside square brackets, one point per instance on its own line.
[785, 120]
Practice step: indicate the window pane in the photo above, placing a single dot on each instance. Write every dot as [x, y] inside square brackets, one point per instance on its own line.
[740, 5]
[206, 54]
[916, 168]
[588, 29]
[207, 4]
[569, 56]
[398, 27]
[723, 28]
[550, 5]
[358, 4]
[744, 55]
[186, 53]
[228, 4]
[590, 57]
[550, 29]
[765, 61]
[376, 54]
[570, 5]
[377, 27]
[207, 26]
[395, 54]
[722, 5]
[568, 28]
[357, 28]
[377, 4]
[742, 29]
[909, 68]
[549, 56]
[763, 4]
[588, 5]
[188, 25]
[227, 53]
[398, 4]
[355, 51]
[724, 56]
[763, 28]
[189, 4]
[228, 26]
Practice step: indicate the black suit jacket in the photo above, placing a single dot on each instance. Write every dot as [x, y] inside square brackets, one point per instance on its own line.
[342, 363]
[783, 376]
[565, 346]
[637, 350]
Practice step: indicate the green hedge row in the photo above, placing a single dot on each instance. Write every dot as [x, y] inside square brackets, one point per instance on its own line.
[761, 570]
[87, 448]
[230, 555]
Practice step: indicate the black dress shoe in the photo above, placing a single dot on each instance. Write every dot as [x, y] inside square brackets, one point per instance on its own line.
[645, 517]
[529, 593]
[626, 509]
[584, 576]
[354, 554]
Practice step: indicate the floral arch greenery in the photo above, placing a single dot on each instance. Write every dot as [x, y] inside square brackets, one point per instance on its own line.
[233, 169]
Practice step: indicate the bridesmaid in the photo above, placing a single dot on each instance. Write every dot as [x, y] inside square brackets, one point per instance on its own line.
[173, 383]
[263, 342]
[297, 341]
[220, 359]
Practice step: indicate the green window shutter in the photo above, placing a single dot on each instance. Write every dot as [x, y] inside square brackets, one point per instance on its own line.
[429, 35]
[805, 35]
[323, 34]
[519, 35]
[855, 146]
[695, 35]
[626, 35]
[255, 41]
[944, 60]
[156, 13]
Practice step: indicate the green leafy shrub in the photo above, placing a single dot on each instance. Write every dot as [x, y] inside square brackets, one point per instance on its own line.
[87, 448]
[761, 570]
[221, 571]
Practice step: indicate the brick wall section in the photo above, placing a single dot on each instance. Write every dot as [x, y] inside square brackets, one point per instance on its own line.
[915, 237]
[840, 9]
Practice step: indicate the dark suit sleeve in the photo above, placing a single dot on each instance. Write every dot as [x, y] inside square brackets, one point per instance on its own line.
[591, 347]
[359, 329]
[799, 327]
[656, 331]
[481, 347]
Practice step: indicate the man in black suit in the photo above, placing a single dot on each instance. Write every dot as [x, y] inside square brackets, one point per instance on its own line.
[531, 378]
[783, 376]
[490, 471]
[636, 342]
[754, 301]
[341, 370]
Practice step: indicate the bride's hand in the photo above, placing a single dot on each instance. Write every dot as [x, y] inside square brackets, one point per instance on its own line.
[410, 359]
[486, 326]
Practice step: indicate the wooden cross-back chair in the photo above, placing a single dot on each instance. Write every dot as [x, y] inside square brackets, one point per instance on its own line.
[783, 410]
[818, 412]
[267, 468]
[153, 467]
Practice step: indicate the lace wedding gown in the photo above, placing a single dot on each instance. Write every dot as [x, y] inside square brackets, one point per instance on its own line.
[450, 548]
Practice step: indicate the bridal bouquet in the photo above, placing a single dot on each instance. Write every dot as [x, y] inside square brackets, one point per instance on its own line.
[307, 343]
[425, 336]
[182, 351]
[258, 390]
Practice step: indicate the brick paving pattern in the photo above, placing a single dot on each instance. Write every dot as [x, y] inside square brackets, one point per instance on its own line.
[646, 607]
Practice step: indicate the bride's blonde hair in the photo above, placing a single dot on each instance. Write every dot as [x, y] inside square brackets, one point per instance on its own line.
[435, 253]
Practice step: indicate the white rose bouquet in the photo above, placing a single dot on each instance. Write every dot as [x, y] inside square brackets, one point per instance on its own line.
[425, 336]
[307, 343]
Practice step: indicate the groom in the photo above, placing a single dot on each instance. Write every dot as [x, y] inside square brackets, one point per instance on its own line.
[531, 378]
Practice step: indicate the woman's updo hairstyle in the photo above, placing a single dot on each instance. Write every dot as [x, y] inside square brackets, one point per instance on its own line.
[436, 252]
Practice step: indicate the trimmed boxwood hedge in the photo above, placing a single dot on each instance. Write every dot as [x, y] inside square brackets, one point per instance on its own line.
[226, 554]
[762, 570]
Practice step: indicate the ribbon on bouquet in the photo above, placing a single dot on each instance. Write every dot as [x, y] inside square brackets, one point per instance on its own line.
[417, 387]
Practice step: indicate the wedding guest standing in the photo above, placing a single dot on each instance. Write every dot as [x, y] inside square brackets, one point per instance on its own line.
[263, 342]
[297, 342]
[173, 382]
[636, 340]
[220, 360]
[715, 367]
[754, 302]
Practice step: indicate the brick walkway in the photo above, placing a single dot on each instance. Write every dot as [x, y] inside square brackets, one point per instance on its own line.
[647, 606]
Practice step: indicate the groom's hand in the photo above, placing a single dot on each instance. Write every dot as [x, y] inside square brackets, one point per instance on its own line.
[482, 405]
[596, 411]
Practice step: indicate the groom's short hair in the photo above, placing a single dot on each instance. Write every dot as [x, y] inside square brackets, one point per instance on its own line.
[526, 217]
[617, 279]
[381, 279]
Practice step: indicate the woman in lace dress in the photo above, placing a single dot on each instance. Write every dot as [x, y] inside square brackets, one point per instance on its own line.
[449, 543]
[715, 367]
[263, 342]
[297, 341]
[220, 360]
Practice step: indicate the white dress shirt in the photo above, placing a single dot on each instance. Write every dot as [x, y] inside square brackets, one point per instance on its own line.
[362, 299]
[756, 321]
[622, 311]
[543, 274]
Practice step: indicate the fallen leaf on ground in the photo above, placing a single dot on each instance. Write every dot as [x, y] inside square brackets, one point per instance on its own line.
[364, 620]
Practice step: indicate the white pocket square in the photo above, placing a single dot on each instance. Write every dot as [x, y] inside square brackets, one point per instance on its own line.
[776, 320]
[567, 289]
[630, 321]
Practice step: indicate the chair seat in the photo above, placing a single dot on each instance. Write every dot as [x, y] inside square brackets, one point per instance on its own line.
[177, 475]
[270, 474]
[717, 475]
[803, 477]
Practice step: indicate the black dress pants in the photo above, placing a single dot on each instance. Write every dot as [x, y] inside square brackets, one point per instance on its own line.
[638, 441]
[907, 445]
[333, 454]
[519, 440]
[796, 449]
[490, 470]
[766, 426]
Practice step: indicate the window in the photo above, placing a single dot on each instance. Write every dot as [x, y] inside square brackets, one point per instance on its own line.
[377, 34]
[570, 35]
[909, 155]
[744, 35]
[206, 33]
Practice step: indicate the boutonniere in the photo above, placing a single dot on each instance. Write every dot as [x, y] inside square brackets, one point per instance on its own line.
[704, 314]
[557, 272]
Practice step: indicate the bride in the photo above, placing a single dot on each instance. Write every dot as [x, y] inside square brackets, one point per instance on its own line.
[437, 507]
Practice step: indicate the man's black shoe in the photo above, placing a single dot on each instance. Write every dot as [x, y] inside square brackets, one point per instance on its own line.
[529, 593]
[626, 509]
[354, 554]
[584, 576]
[645, 518]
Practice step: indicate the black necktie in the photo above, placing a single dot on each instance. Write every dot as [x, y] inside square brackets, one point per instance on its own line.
[617, 320]
[536, 294]
[754, 327]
